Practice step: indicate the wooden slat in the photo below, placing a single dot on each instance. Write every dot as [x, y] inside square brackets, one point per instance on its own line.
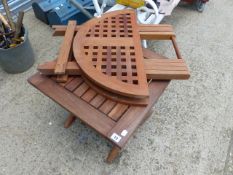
[107, 106]
[88, 114]
[156, 32]
[174, 64]
[71, 86]
[128, 67]
[62, 78]
[142, 79]
[92, 41]
[118, 111]
[60, 30]
[65, 49]
[164, 67]
[155, 28]
[89, 95]
[97, 101]
[81, 89]
[69, 79]
[48, 68]
[165, 61]
[156, 35]
[168, 75]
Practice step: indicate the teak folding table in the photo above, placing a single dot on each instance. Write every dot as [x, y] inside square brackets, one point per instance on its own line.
[105, 78]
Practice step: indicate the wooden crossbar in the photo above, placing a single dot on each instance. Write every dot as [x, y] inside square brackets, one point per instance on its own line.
[155, 68]
[156, 32]
[65, 49]
[60, 30]
[47, 68]
[159, 67]
[166, 69]
[147, 32]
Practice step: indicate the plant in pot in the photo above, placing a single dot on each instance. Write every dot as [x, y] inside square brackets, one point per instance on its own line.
[16, 54]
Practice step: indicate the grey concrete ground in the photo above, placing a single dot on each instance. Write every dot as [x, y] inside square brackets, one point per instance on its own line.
[188, 134]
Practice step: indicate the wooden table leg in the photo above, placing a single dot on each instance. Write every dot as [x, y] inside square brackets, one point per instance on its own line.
[113, 154]
[69, 121]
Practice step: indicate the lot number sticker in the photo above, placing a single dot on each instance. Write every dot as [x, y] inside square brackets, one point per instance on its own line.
[116, 137]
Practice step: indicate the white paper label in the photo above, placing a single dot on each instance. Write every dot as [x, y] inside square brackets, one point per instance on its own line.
[116, 137]
[124, 133]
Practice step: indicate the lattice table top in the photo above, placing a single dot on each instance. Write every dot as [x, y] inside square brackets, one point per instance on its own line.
[109, 53]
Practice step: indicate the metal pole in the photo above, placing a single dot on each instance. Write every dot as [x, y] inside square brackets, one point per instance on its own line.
[81, 8]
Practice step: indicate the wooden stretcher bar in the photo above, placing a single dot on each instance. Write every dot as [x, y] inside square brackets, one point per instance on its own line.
[48, 68]
[59, 30]
[148, 32]
[155, 67]
[156, 32]
[65, 49]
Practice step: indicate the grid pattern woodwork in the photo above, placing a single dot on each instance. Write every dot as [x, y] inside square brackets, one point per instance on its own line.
[115, 26]
[114, 61]
[108, 51]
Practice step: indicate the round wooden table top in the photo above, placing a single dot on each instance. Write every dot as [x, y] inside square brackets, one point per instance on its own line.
[108, 51]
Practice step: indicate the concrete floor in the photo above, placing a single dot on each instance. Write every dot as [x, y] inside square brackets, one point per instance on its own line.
[190, 132]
